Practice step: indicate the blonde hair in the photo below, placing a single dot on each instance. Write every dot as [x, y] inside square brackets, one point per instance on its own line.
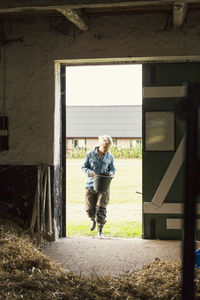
[105, 139]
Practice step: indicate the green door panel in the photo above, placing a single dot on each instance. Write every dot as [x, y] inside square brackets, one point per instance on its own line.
[155, 163]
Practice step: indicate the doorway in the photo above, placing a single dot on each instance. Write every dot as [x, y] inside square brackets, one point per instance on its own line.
[105, 99]
[164, 83]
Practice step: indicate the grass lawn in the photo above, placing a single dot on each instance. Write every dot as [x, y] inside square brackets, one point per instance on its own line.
[123, 229]
[124, 217]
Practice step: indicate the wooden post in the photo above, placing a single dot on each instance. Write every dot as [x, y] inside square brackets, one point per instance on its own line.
[49, 204]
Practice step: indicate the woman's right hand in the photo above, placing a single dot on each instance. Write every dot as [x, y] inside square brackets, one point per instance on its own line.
[91, 174]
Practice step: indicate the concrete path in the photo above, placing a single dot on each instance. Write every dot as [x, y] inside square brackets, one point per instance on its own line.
[110, 256]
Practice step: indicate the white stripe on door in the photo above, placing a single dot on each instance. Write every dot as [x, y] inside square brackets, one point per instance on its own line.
[166, 208]
[170, 174]
[178, 224]
[165, 92]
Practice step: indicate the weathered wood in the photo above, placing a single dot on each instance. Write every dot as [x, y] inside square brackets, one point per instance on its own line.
[21, 5]
[35, 205]
[43, 198]
[34, 213]
[67, 7]
[38, 199]
[179, 13]
[73, 17]
[49, 225]
[71, 3]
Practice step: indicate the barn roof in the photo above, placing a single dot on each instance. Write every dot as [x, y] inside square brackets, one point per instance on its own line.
[92, 121]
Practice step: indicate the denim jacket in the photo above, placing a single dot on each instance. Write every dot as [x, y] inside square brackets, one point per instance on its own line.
[93, 162]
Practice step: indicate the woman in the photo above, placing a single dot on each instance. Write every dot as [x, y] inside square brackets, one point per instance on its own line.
[101, 161]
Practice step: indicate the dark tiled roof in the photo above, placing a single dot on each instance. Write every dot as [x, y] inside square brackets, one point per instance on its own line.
[92, 121]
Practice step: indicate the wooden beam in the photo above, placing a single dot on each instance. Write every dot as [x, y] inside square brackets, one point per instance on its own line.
[73, 17]
[76, 4]
[11, 5]
[179, 13]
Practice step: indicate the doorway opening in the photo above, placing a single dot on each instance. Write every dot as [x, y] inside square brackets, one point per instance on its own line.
[105, 99]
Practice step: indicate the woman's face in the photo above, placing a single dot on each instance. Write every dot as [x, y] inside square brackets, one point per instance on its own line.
[104, 147]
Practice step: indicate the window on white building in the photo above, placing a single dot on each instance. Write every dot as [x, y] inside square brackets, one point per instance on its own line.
[135, 142]
[114, 142]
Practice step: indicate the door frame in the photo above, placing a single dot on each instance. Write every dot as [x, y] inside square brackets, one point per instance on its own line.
[60, 100]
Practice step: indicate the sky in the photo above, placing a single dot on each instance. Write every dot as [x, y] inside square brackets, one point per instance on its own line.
[104, 85]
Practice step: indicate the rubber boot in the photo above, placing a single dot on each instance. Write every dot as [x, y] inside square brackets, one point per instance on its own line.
[100, 233]
[93, 225]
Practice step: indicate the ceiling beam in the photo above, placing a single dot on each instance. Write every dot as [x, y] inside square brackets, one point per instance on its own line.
[73, 17]
[75, 3]
[68, 7]
[10, 5]
[179, 13]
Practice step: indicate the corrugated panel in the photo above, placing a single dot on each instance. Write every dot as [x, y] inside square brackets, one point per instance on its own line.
[92, 121]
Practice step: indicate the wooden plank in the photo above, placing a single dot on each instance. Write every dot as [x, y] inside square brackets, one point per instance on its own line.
[35, 206]
[73, 17]
[170, 174]
[179, 13]
[43, 200]
[132, 60]
[178, 224]
[49, 216]
[165, 92]
[11, 5]
[166, 208]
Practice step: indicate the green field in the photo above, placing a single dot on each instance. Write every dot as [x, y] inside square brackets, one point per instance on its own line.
[124, 217]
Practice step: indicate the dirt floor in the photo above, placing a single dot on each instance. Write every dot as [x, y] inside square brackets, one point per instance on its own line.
[110, 256]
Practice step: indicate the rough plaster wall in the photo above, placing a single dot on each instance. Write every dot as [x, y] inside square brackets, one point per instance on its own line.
[30, 96]
[30, 84]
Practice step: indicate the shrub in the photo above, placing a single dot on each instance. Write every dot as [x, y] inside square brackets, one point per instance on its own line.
[77, 153]
[135, 152]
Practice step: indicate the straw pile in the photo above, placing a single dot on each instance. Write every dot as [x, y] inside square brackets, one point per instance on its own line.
[26, 273]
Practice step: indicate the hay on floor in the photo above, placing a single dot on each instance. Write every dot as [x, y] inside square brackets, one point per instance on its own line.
[26, 273]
